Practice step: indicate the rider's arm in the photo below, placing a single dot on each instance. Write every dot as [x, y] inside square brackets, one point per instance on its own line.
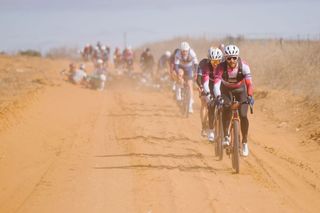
[176, 62]
[199, 79]
[247, 78]
[217, 81]
[194, 60]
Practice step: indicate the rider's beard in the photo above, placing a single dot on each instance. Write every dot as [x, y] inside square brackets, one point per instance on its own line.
[232, 64]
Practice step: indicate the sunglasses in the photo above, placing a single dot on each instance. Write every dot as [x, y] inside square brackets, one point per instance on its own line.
[234, 58]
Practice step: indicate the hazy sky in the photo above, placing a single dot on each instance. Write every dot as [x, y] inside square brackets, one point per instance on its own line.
[42, 24]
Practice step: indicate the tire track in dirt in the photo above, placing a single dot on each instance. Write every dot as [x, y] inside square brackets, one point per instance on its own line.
[129, 150]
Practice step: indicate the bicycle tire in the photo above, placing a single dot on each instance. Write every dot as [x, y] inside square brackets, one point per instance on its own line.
[221, 136]
[186, 102]
[235, 138]
[216, 133]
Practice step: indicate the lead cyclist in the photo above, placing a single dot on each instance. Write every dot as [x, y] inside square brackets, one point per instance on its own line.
[234, 76]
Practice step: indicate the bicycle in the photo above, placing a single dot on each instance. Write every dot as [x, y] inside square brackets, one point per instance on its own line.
[233, 150]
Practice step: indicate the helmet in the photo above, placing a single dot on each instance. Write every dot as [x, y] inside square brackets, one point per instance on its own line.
[99, 61]
[215, 54]
[232, 50]
[103, 47]
[168, 53]
[184, 46]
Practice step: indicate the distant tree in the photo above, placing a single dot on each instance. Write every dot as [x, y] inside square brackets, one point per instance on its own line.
[33, 53]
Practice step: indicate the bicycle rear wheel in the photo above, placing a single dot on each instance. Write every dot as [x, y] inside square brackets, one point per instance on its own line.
[216, 132]
[235, 139]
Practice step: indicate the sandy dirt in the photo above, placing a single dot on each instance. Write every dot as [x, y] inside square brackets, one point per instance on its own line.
[127, 149]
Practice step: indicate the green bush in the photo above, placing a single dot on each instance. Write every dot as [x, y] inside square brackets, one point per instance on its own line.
[32, 53]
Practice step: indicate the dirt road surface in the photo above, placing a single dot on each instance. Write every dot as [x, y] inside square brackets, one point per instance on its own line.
[127, 149]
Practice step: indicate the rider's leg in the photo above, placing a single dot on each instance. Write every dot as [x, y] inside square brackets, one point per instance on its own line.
[180, 80]
[226, 114]
[189, 73]
[203, 114]
[244, 122]
[204, 104]
[211, 109]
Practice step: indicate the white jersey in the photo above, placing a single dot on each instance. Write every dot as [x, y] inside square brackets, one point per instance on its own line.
[187, 61]
[79, 75]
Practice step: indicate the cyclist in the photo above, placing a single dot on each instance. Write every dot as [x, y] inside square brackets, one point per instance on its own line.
[172, 73]
[147, 61]
[99, 76]
[164, 61]
[105, 54]
[206, 70]
[163, 66]
[127, 56]
[117, 57]
[234, 76]
[185, 64]
[79, 75]
[87, 52]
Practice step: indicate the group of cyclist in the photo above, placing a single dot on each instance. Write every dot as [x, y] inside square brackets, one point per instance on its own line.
[96, 79]
[94, 53]
[219, 76]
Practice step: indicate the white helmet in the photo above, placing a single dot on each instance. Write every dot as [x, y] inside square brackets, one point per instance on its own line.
[215, 54]
[184, 46]
[99, 61]
[103, 47]
[231, 50]
[168, 53]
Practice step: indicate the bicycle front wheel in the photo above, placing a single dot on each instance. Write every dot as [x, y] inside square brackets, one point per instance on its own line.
[186, 101]
[235, 139]
[220, 135]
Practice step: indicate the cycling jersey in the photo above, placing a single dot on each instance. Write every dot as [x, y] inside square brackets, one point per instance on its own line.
[204, 70]
[78, 76]
[233, 78]
[127, 54]
[188, 61]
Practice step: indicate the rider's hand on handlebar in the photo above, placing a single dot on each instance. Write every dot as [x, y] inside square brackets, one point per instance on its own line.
[250, 100]
[219, 101]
